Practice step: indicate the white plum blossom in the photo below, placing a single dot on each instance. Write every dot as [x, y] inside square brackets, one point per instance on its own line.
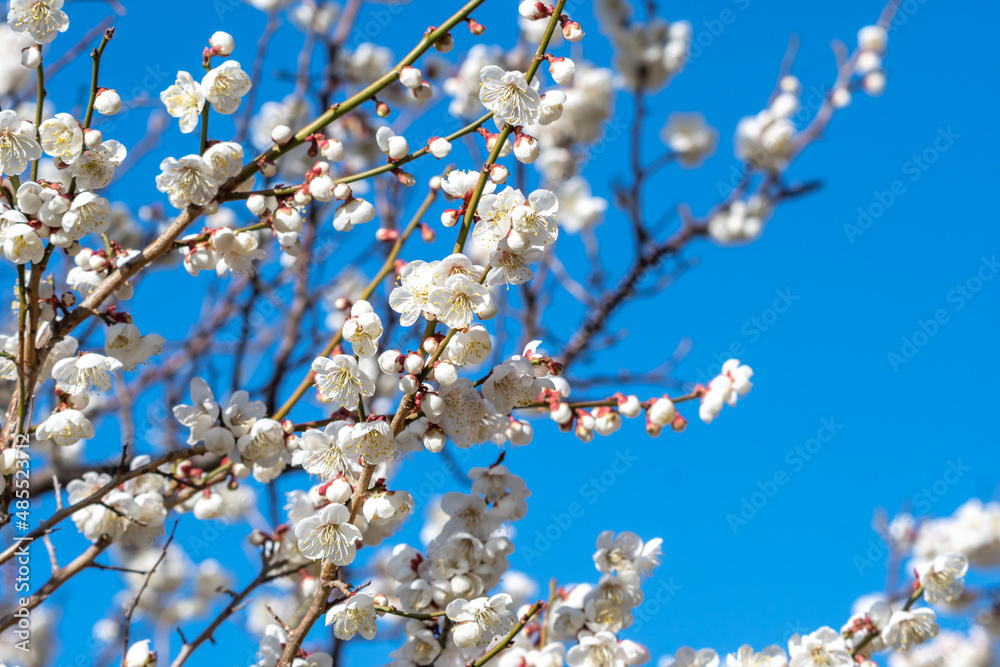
[90, 373]
[732, 383]
[62, 137]
[188, 181]
[509, 96]
[599, 649]
[909, 628]
[340, 380]
[127, 345]
[690, 137]
[458, 300]
[96, 167]
[513, 384]
[353, 212]
[321, 453]
[328, 535]
[412, 296]
[479, 621]
[363, 330]
[21, 244]
[140, 654]
[688, 657]
[822, 648]
[942, 577]
[88, 214]
[66, 427]
[393, 145]
[769, 656]
[371, 441]
[225, 86]
[42, 19]
[469, 347]
[17, 143]
[354, 616]
[626, 552]
[263, 444]
[184, 101]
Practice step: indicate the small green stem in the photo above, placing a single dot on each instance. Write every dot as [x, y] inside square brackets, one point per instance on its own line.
[39, 103]
[513, 633]
[96, 56]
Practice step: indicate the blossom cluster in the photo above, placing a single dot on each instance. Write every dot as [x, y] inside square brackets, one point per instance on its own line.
[418, 358]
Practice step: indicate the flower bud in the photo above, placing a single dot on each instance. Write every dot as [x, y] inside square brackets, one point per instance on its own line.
[321, 188]
[332, 150]
[408, 384]
[434, 440]
[629, 406]
[445, 373]
[342, 191]
[439, 147]
[386, 235]
[841, 97]
[562, 414]
[445, 43]
[93, 138]
[572, 31]
[533, 10]
[287, 220]
[526, 149]
[414, 363]
[382, 110]
[499, 174]
[427, 233]
[411, 77]
[475, 27]
[222, 43]
[562, 70]
[268, 168]
[662, 411]
[281, 134]
[423, 92]
[488, 312]
[108, 102]
[391, 362]
[257, 205]
[451, 217]
[31, 57]
[874, 83]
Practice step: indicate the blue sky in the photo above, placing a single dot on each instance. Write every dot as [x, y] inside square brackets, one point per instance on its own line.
[817, 307]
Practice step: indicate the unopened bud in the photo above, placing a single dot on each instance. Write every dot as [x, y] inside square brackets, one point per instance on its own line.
[31, 57]
[572, 31]
[222, 43]
[281, 134]
[108, 102]
[445, 43]
[93, 138]
[411, 77]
